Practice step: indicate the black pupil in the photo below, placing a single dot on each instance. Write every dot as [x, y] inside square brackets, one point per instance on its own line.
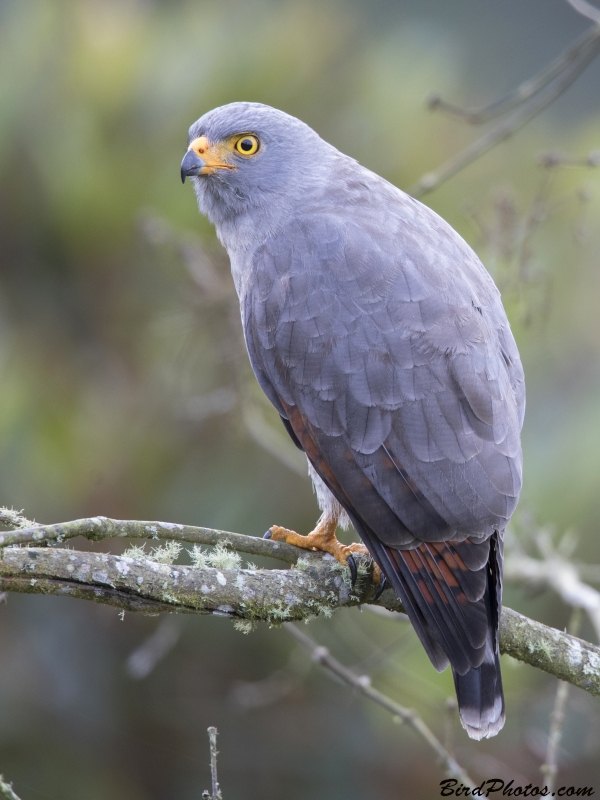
[246, 144]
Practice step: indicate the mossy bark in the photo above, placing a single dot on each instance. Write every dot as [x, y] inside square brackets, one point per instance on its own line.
[317, 585]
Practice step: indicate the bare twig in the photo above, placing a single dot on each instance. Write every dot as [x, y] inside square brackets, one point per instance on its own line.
[449, 720]
[362, 684]
[272, 440]
[98, 528]
[529, 99]
[525, 90]
[552, 160]
[144, 658]
[549, 768]
[555, 572]
[216, 789]
[587, 9]
[214, 289]
[6, 790]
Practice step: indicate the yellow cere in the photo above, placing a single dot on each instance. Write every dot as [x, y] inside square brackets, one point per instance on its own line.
[215, 155]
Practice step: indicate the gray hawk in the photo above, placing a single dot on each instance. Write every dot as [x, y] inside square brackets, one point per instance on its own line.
[382, 342]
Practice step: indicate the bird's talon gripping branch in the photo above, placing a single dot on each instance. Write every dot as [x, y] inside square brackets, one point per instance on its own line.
[382, 586]
[323, 538]
[351, 563]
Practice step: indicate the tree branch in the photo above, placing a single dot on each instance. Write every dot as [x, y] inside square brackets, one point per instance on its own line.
[216, 789]
[362, 685]
[318, 585]
[98, 528]
[525, 91]
[549, 768]
[6, 790]
[586, 9]
[529, 99]
[553, 571]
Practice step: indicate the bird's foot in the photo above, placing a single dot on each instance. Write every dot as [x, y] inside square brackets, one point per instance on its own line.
[323, 538]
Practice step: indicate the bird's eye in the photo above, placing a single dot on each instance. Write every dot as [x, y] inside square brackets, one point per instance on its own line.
[247, 145]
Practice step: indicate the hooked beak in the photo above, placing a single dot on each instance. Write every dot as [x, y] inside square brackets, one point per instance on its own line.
[191, 165]
[205, 158]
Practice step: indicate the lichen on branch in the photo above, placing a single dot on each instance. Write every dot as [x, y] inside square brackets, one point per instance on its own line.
[316, 585]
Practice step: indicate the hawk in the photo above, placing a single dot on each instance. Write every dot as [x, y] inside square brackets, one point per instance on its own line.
[381, 340]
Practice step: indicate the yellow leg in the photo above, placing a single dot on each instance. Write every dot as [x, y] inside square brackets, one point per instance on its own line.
[323, 538]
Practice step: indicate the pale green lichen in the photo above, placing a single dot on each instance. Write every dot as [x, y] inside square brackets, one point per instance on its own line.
[167, 554]
[324, 611]
[169, 598]
[198, 557]
[244, 625]
[15, 519]
[240, 582]
[279, 612]
[547, 649]
[136, 551]
[303, 607]
[220, 558]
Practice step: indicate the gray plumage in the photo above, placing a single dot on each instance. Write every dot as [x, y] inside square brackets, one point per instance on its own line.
[382, 341]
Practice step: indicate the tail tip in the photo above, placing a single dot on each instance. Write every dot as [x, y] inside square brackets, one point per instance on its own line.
[482, 729]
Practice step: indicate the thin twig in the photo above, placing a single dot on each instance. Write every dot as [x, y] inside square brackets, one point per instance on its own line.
[557, 573]
[524, 91]
[552, 160]
[216, 789]
[532, 221]
[549, 768]
[362, 684]
[450, 717]
[98, 528]
[548, 85]
[587, 9]
[6, 790]
[159, 644]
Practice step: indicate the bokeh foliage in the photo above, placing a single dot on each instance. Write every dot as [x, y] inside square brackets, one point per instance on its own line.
[125, 390]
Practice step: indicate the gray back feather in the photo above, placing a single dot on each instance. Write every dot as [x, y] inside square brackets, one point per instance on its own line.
[380, 324]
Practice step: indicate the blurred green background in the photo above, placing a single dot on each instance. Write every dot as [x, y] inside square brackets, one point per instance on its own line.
[125, 389]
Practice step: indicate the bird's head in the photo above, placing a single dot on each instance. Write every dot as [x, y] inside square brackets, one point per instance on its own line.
[246, 156]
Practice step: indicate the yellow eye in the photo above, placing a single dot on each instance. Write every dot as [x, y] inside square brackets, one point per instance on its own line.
[247, 145]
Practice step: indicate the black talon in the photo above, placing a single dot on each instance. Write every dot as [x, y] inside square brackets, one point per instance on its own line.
[382, 586]
[351, 564]
[267, 535]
